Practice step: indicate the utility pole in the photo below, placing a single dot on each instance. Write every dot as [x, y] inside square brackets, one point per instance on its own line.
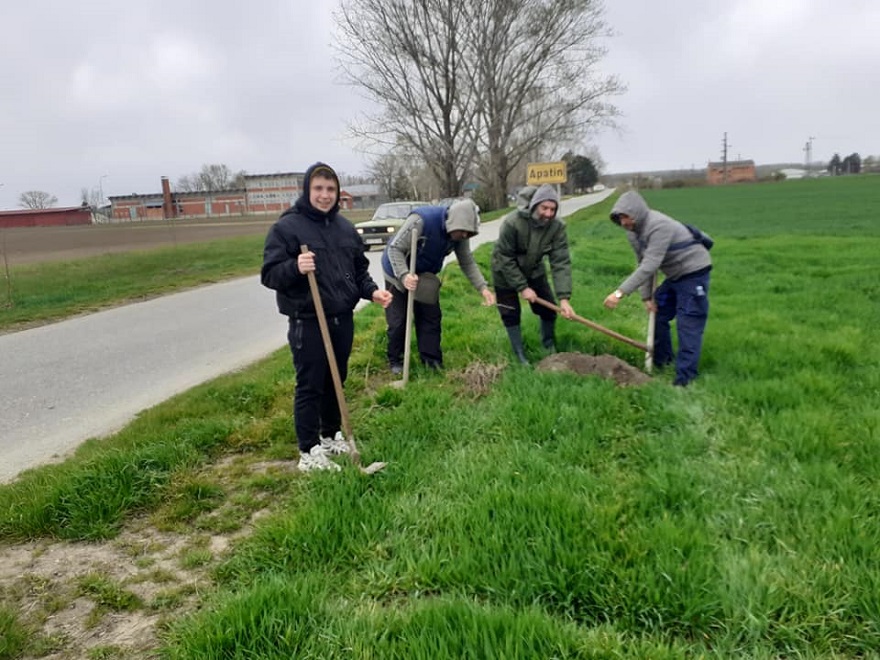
[724, 147]
[808, 150]
[101, 189]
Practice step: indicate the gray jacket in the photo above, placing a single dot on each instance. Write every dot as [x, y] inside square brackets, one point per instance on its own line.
[653, 234]
[398, 251]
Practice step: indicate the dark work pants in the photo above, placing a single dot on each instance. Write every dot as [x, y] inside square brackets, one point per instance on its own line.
[687, 301]
[507, 298]
[315, 407]
[427, 325]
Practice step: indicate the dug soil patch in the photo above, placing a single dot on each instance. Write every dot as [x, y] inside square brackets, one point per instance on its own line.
[604, 366]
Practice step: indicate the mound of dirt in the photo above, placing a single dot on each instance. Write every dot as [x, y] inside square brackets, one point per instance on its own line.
[604, 366]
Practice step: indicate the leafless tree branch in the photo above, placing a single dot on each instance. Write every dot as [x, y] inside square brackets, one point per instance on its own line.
[36, 199]
[467, 81]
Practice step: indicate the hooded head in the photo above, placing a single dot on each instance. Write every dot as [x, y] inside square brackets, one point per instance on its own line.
[524, 199]
[463, 215]
[314, 188]
[632, 204]
[546, 193]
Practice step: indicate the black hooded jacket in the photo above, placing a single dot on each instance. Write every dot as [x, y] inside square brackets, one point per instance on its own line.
[341, 268]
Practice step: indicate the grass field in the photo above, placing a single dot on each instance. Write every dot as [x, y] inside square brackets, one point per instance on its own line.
[548, 515]
[137, 261]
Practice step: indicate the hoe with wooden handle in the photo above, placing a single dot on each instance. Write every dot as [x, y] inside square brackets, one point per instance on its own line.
[652, 325]
[596, 326]
[372, 468]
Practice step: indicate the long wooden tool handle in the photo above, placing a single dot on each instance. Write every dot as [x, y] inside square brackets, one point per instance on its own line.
[331, 356]
[410, 302]
[652, 324]
[595, 326]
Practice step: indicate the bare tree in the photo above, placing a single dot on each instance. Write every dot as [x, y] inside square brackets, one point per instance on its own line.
[36, 199]
[211, 177]
[507, 78]
[94, 199]
[91, 197]
[541, 90]
[188, 183]
[384, 170]
[401, 176]
[408, 56]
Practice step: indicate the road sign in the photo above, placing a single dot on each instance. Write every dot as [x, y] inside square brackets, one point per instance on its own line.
[538, 173]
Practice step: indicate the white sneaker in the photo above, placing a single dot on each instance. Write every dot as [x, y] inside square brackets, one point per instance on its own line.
[316, 459]
[336, 445]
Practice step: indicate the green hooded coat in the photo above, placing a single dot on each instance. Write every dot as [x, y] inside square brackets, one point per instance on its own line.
[524, 242]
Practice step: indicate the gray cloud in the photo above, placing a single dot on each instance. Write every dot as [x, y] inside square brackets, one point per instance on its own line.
[140, 90]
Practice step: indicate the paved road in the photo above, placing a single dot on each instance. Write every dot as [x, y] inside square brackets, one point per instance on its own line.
[88, 376]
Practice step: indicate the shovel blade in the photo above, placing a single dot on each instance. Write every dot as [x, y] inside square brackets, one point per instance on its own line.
[374, 467]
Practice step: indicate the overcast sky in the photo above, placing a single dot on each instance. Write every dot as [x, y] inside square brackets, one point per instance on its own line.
[114, 95]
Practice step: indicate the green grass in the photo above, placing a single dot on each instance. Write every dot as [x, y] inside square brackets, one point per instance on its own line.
[49, 291]
[13, 635]
[55, 290]
[556, 516]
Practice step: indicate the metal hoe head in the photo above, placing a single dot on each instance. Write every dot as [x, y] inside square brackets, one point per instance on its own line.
[374, 467]
[355, 455]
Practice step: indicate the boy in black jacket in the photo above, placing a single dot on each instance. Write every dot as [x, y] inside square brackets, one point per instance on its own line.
[336, 256]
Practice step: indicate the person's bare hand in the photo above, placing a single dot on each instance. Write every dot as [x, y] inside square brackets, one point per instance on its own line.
[305, 262]
[382, 297]
[410, 281]
[567, 310]
[650, 306]
[611, 301]
[529, 294]
[488, 297]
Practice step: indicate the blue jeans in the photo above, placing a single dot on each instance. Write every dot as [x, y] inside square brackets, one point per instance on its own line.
[687, 300]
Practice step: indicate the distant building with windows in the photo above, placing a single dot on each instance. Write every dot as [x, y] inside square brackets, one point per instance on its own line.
[364, 195]
[262, 194]
[272, 193]
[732, 171]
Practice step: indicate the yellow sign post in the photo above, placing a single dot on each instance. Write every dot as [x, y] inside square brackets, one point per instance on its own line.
[538, 173]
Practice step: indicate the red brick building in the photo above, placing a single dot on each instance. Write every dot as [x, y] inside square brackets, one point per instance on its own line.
[272, 193]
[72, 215]
[733, 171]
[263, 193]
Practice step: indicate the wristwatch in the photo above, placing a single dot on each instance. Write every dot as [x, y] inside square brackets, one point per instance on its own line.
[618, 294]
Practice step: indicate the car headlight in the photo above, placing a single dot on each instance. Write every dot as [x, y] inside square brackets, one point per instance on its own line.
[390, 230]
[360, 230]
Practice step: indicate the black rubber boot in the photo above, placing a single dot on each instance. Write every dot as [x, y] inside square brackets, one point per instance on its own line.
[516, 341]
[548, 334]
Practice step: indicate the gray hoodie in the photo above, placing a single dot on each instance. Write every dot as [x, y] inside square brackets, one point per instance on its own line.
[651, 237]
[543, 194]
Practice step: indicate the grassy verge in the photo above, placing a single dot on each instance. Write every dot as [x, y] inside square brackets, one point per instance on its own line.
[554, 515]
[55, 290]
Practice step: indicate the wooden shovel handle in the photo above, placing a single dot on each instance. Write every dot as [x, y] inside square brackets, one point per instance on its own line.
[410, 302]
[331, 359]
[652, 325]
[595, 326]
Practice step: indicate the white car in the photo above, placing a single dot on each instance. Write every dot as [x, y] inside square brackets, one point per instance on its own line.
[385, 221]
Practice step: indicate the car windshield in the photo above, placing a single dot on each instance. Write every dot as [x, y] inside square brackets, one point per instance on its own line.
[392, 211]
